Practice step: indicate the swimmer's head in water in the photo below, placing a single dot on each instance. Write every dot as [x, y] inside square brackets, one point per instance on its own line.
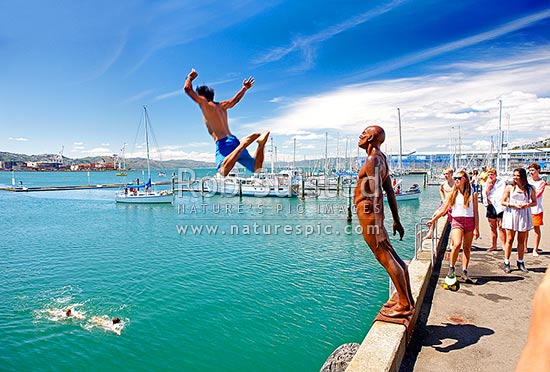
[372, 134]
[116, 320]
[68, 312]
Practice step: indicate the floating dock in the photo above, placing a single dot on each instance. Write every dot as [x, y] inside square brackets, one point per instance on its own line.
[79, 187]
[61, 188]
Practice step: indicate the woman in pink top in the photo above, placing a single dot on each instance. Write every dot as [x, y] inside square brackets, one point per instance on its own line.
[465, 222]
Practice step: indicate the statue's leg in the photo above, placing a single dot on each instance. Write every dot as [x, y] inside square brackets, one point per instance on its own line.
[406, 273]
[376, 237]
[399, 275]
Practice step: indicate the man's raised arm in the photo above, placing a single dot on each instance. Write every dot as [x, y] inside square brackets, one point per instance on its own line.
[247, 84]
[188, 87]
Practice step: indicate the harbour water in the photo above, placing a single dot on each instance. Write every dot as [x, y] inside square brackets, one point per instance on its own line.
[239, 295]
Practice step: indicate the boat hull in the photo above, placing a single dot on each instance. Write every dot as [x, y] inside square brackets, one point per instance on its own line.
[407, 196]
[142, 198]
[255, 191]
[246, 187]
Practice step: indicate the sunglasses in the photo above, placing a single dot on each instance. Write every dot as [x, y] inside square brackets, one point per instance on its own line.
[457, 178]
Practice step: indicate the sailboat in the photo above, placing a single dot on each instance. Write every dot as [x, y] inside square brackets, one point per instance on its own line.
[122, 163]
[413, 193]
[144, 193]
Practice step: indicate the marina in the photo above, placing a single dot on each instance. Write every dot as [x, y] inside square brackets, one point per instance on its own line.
[254, 186]
[283, 279]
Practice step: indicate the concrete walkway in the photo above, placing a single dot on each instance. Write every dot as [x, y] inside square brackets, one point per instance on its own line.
[481, 327]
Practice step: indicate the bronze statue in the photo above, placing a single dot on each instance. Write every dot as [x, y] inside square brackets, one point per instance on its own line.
[369, 201]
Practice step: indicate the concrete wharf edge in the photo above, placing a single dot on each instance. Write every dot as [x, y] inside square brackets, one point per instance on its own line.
[385, 344]
[481, 327]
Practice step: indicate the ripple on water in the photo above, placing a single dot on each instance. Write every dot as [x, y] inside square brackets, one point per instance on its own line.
[192, 302]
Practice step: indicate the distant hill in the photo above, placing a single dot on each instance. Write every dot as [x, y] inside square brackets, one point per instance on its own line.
[534, 145]
[132, 163]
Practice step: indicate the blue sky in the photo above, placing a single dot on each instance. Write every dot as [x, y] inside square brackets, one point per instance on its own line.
[76, 73]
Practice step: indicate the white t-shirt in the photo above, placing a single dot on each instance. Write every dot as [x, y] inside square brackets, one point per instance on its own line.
[495, 195]
[458, 207]
[539, 190]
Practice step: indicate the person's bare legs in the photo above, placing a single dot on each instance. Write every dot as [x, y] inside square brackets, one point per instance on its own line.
[510, 235]
[525, 238]
[456, 241]
[522, 235]
[231, 159]
[259, 155]
[501, 232]
[493, 226]
[537, 240]
[467, 249]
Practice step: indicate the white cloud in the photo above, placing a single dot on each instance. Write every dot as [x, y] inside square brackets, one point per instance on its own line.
[98, 151]
[307, 44]
[78, 143]
[139, 96]
[168, 95]
[309, 136]
[509, 27]
[203, 152]
[430, 107]
[19, 139]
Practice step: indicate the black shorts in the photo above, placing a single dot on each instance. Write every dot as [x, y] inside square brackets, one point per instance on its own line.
[492, 212]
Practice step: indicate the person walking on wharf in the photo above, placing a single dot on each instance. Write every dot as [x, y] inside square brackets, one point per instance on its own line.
[494, 188]
[372, 180]
[518, 199]
[229, 150]
[445, 189]
[465, 221]
[539, 185]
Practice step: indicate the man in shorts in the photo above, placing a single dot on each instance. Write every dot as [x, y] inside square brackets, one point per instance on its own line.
[539, 184]
[229, 150]
[494, 189]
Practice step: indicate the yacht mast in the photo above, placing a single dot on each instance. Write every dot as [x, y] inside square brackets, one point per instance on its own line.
[326, 153]
[499, 135]
[147, 142]
[400, 165]
[272, 156]
[294, 155]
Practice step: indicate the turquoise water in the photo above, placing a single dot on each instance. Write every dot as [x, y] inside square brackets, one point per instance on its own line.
[227, 300]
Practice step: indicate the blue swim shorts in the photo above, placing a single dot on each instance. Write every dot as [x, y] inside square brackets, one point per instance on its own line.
[226, 145]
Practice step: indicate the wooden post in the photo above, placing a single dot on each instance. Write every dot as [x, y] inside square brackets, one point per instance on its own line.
[349, 203]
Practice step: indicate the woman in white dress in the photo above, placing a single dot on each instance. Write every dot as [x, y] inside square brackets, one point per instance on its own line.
[518, 198]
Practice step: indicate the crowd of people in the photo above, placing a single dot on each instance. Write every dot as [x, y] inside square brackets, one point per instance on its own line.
[513, 209]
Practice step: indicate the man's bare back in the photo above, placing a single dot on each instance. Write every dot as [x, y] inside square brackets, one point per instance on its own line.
[215, 118]
[229, 149]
